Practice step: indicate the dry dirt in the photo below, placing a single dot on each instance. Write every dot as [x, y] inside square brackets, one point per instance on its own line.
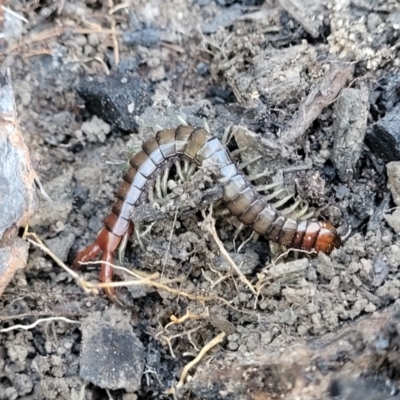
[275, 73]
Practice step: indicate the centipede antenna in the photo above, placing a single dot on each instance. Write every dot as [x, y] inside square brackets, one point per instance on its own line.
[227, 136]
[164, 185]
[264, 188]
[256, 236]
[245, 242]
[292, 208]
[282, 201]
[182, 120]
[276, 194]
[158, 187]
[186, 169]
[179, 171]
[192, 168]
[258, 176]
[236, 152]
[205, 125]
[245, 164]
[347, 234]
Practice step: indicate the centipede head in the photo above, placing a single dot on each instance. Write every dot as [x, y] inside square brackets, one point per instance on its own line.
[328, 238]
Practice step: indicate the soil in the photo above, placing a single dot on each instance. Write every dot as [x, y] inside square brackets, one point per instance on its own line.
[259, 67]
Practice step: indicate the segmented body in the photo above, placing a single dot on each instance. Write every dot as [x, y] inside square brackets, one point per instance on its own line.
[240, 196]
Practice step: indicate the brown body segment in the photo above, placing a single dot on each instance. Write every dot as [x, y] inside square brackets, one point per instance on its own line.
[241, 198]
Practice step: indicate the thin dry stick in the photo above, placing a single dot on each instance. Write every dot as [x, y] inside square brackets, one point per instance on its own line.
[55, 32]
[27, 327]
[114, 35]
[218, 339]
[170, 240]
[209, 224]
[38, 243]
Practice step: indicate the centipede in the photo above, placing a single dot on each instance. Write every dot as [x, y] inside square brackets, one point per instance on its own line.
[240, 197]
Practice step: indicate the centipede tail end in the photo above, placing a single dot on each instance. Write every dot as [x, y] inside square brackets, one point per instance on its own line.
[328, 239]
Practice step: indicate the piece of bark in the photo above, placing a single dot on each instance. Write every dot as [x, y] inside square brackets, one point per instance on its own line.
[320, 97]
[349, 128]
[306, 13]
[303, 370]
[17, 186]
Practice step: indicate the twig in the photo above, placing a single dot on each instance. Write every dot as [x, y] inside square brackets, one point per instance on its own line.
[169, 241]
[209, 225]
[15, 14]
[114, 36]
[319, 98]
[27, 327]
[218, 339]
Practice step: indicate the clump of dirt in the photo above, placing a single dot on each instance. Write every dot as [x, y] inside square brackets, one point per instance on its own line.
[298, 88]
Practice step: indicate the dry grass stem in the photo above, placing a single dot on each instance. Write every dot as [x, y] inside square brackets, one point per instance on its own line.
[214, 342]
[209, 225]
[27, 327]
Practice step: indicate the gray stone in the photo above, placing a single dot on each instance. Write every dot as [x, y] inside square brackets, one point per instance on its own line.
[112, 356]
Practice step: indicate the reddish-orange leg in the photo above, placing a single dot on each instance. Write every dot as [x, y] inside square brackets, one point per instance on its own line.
[106, 243]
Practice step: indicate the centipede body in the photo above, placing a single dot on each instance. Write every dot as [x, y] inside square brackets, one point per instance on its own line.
[240, 197]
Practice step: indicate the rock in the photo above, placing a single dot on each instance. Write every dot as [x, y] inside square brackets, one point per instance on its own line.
[224, 19]
[61, 245]
[112, 356]
[303, 369]
[246, 262]
[393, 220]
[296, 268]
[17, 186]
[12, 258]
[383, 136]
[349, 127]
[60, 191]
[393, 172]
[95, 130]
[116, 98]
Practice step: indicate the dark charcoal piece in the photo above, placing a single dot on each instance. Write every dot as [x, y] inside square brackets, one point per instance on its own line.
[145, 37]
[383, 137]
[116, 99]
[391, 91]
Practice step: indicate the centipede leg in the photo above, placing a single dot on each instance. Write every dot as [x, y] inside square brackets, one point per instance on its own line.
[158, 187]
[179, 171]
[164, 185]
[227, 136]
[192, 168]
[122, 248]
[245, 164]
[107, 273]
[87, 254]
[205, 125]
